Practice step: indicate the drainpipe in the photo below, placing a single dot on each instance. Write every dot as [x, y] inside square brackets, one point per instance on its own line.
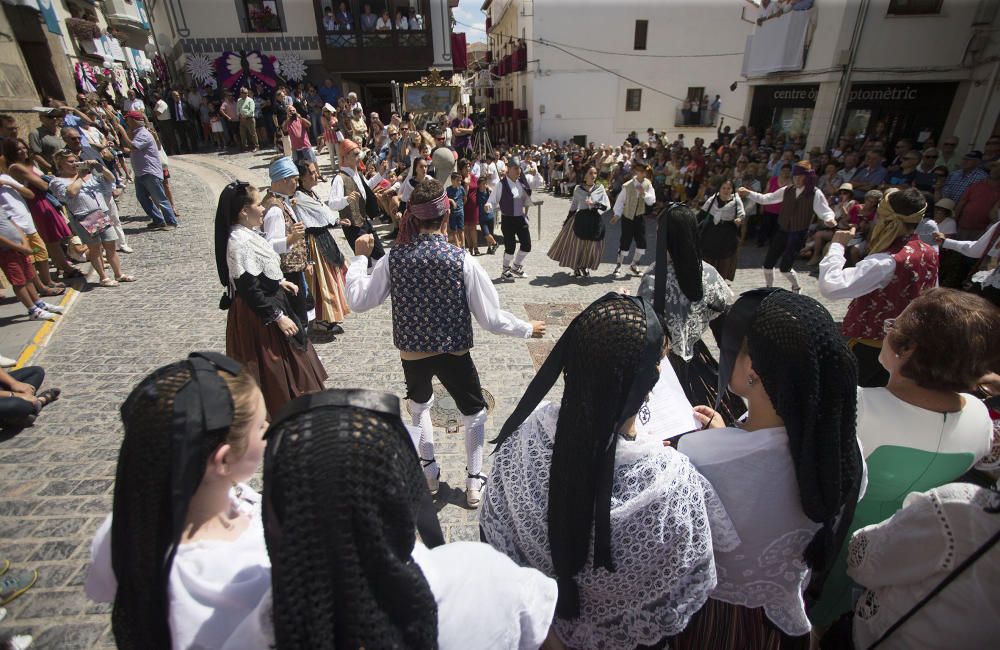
[844, 91]
[986, 102]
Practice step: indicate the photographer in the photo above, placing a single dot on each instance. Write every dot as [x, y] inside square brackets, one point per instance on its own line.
[81, 187]
[297, 128]
[462, 129]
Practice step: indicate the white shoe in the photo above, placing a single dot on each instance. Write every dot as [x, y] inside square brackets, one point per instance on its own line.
[19, 642]
[634, 269]
[6, 363]
[55, 309]
[618, 271]
[125, 248]
[474, 489]
[507, 274]
[517, 270]
[41, 314]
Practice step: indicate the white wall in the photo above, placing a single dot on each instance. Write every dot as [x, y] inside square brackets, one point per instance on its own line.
[592, 102]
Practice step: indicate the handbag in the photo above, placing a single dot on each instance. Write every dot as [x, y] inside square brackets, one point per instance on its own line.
[588, 225]
[95, 222]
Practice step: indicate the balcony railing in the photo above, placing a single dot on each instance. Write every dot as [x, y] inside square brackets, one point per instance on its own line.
[399, 23]
[695, 118]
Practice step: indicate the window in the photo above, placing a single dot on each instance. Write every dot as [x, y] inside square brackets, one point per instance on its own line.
[641, 27]
[633, 99]
[261, 16]
[913, 7]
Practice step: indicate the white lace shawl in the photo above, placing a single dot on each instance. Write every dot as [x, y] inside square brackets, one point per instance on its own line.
[754, 475]
[312, 212]
[248, 252]
[687, 321]
[665, 522]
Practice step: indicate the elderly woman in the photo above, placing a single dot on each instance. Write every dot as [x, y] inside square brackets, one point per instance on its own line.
[82, 187]
[565, 474]
[789, 476]
[924, 429]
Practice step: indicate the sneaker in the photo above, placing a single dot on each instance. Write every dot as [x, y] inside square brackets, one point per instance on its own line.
[586, 273]
[15, 583]
[55, 309]
[7, 363]
[517, 270]
[507, 273]
[169, 226]
[41, 314]
[474, 485]
[634, 269]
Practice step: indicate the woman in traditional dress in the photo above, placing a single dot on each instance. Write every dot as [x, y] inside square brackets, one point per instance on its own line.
[326, 279]
[471, 185]
[624, 524]
[691, 294]
[262, 330]
[720, 237]
[790, 477]
[345, 499]
[182, 556]
[580, 243]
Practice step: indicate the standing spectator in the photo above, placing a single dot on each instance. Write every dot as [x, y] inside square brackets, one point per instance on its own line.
[164, 125]
[184, 123]
[297, 128]
[402, 22]
[345, 22]
[72, 139]
[134, 103]
[279, 114]
[329, 92]
[991, 152]
[148, 171]
[462, 130]
[329, 20]
[716, 108]
[367, 23]
[357, 126]
[14, 199]
[45, 140]
[384, 22]
[205, 119]
[961, 179]
[353, 103]
[950, 157]
[15, 260]
[246, 109]
[231, 119]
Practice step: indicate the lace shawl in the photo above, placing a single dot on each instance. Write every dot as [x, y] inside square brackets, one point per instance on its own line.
[754, 474]
[666, 520]
[248, 252]
[686, 321]
[312, 212]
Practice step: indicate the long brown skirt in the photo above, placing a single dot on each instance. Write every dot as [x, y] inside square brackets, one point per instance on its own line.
[326, 284]
[575, 253]
[721, 626]
[283, 367]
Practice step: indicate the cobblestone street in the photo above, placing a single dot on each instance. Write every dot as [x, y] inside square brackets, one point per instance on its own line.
[57, 477]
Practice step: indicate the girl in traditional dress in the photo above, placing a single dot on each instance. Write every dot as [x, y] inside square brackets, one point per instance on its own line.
[182, 556]
[579, 246]
[262, 331]
[720, 238]
[326, 278]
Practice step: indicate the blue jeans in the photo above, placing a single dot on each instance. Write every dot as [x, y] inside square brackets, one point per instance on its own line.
[152, 198]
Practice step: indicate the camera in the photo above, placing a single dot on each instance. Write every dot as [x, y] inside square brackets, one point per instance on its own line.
[433, 128]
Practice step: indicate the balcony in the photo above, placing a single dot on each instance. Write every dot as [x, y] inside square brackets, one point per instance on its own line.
[779, 44]
[127, 22]
[695, 118]
[394, 35]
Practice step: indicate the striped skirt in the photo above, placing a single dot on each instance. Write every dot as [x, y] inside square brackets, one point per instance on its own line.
[575, 253]
[722, 626]
[326, 280]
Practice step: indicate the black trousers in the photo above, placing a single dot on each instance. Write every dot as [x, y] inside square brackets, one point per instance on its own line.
[186, 136]
[456, 372]
[633, 230]
[766, 226]
[515, 230]
[15, 408]
[784, 248]
[351, 233]
[871, 374]
[167, 136]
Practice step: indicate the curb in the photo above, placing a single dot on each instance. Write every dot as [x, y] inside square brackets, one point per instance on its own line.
[44, 333]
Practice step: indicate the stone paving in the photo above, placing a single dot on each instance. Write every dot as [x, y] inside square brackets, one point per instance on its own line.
[57, 477]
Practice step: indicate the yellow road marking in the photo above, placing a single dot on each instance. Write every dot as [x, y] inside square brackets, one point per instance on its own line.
[41, 337]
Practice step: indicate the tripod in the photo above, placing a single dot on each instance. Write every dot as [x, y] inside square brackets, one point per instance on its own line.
[481, 144]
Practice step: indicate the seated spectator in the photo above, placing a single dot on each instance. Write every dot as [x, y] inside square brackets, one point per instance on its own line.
[565, 474]
[924, 429]
[786, 477]
[185, 531]
[345, 499]
[20, 401]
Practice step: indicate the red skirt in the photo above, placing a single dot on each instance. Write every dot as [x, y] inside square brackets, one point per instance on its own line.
[49, 222]
[283, 368]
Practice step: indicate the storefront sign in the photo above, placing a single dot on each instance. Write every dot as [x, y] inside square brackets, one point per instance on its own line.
[886, 92]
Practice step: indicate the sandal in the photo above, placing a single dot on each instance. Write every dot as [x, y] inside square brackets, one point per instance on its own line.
[48, 292]
[48, 396]
[15, 583]
[126, 278]
[108, 282]
[56, 285]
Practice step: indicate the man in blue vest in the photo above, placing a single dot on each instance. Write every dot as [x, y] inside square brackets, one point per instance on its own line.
[436, 288]
[512, 195]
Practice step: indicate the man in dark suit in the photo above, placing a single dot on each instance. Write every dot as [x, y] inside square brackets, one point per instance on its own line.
[185, 122]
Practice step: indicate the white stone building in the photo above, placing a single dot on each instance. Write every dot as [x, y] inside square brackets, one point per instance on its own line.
[918, 68]
[595, 70]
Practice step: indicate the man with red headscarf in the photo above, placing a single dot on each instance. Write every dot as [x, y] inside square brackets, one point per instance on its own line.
[797, 210]
[353, 199]
[436, 288]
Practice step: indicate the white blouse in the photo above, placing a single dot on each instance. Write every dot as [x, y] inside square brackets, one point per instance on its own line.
[902, 558]
[215, 586]
[727, 212]
[666, 520]
[754, 475]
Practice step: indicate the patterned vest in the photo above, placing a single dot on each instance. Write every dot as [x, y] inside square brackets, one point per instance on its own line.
[796, 213]
[916, 270]
[507, 198]
[635, 203]
[297, 257]
[430, 312]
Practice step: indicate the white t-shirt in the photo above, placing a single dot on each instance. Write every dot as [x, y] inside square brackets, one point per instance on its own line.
[214, 586]
[162, 110]
[14, 206]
